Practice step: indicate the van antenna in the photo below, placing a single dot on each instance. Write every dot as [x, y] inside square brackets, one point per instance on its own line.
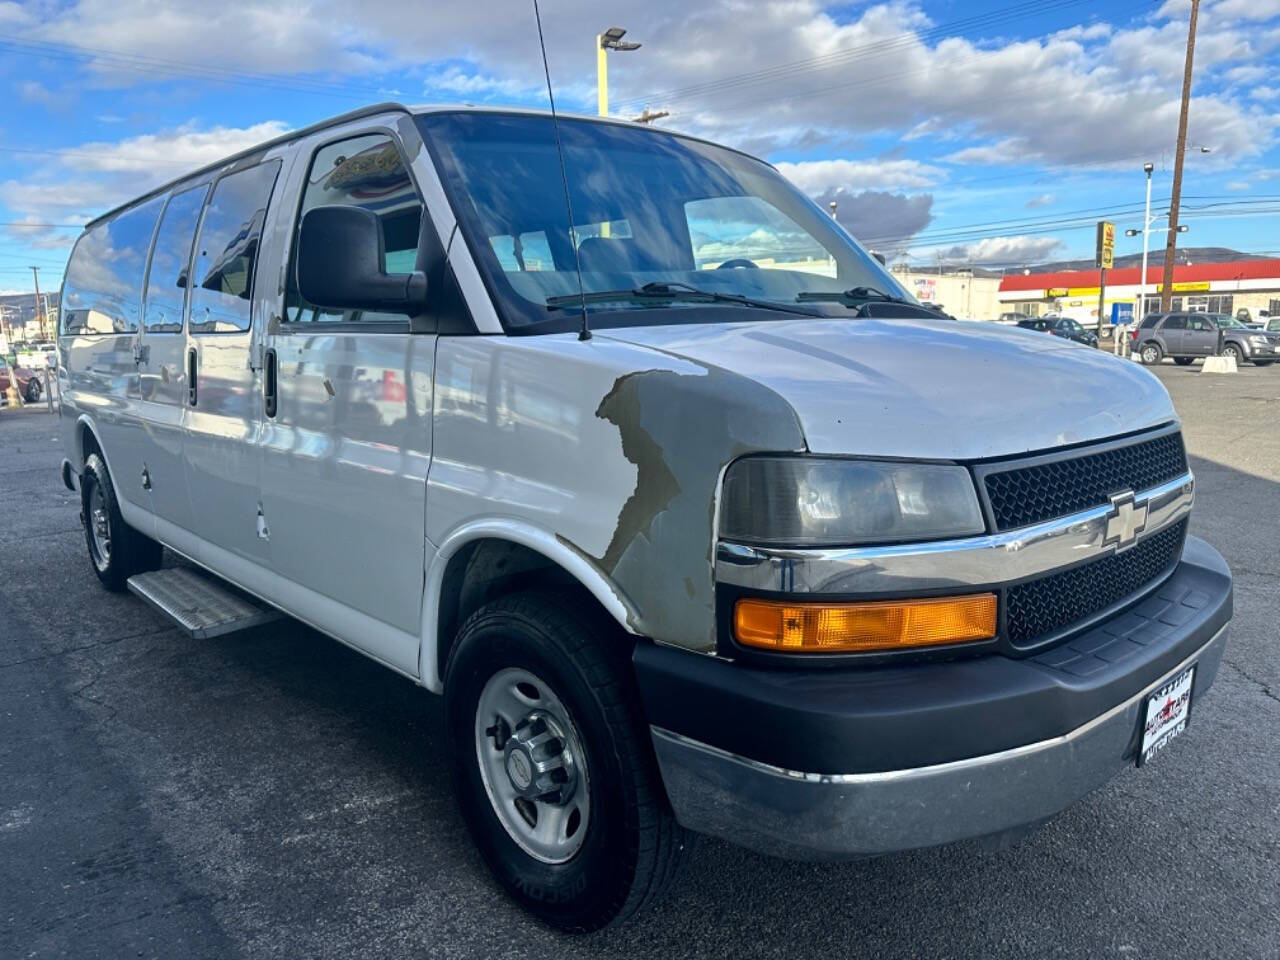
[584, 332]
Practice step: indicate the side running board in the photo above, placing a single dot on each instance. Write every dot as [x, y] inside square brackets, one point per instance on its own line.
[201, 605]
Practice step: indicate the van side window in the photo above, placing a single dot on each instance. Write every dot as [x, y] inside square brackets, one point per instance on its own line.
[170, 261]
[363, 172]
[227, 250]
[102, 292]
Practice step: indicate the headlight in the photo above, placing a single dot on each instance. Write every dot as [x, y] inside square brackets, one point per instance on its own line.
[1258, 341]
[802, 501]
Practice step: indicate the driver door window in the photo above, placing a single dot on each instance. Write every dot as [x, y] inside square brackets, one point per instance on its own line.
[363, 172]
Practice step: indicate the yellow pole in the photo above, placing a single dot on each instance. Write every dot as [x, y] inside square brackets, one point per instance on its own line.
[602, 94]
[602, 77]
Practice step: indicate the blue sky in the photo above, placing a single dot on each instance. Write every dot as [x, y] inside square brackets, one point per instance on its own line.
[994, 132]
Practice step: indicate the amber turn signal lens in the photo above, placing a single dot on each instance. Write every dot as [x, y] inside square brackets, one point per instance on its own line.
[863, 627]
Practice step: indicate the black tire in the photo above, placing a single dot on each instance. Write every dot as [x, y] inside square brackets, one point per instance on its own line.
[129, 551]
[1183, 361]
[632, 846]
[1234, 351]
[1151, 352]
[1263, 363]
[33, 390]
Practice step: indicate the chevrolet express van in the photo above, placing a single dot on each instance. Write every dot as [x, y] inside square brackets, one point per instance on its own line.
[697, 521]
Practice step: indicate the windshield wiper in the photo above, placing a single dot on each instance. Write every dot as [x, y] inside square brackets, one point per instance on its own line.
[659, 291]
[854, 297]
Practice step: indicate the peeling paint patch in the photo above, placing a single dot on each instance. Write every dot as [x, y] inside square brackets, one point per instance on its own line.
[680, 430]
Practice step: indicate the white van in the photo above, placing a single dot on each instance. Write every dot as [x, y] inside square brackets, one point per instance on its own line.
[696, 520]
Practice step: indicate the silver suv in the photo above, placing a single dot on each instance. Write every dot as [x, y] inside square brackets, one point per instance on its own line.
[1185, 336]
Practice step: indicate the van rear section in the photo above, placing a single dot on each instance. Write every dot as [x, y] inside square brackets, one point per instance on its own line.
[694, 518]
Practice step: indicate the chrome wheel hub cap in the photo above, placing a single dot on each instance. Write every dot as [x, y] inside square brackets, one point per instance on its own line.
[100, 528]
[532, 765]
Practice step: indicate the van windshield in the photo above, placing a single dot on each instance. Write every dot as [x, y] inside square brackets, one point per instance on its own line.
[650, 208]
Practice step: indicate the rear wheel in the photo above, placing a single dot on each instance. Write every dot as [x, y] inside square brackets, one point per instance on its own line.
[552, 764]
[1183, 361]
[1151, 353]
[116, 550]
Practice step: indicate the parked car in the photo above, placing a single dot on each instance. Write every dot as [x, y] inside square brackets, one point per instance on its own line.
[1186, 336]
[1010, 319]
[28, 381]
[1065, 327]
[681, 547]
[1256, 319]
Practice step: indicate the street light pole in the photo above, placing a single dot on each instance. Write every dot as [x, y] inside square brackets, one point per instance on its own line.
[611, 39]
[1146, 232]
[602, 77]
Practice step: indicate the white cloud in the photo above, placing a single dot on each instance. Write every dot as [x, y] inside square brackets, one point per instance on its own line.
[154, 153]
[1239, 185]
[1043, 200]
[1003, 250]
[83, 181]
[1265, 93]
[1254, 10]
[815, 176]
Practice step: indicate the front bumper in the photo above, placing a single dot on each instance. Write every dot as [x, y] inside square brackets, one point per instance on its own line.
[821, 764]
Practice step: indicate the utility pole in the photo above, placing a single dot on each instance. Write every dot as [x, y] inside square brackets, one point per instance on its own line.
[1166, 287]
[648, 116]
[35, 272]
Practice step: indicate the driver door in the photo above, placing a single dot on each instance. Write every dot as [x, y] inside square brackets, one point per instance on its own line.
[347, 437]
[1201, 337]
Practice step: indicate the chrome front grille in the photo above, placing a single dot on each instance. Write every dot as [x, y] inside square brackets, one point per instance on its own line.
[1052, 487]
[1039, 608]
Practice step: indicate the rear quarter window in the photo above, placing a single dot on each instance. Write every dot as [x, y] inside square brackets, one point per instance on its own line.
[102, 293]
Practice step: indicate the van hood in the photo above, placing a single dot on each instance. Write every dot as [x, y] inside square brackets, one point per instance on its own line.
[923, 388]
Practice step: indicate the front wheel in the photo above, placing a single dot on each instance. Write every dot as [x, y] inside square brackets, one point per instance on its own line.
[552, 764]
[1234, 352]
[116, 550]
[1263, 363]
[33, 390]
[1151, 353]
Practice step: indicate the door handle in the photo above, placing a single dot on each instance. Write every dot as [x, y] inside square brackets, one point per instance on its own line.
[191, 376]
[269, 383]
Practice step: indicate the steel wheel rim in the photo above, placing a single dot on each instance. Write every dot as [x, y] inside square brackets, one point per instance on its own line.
[1150, 355]
[551, 828]
[99, 521]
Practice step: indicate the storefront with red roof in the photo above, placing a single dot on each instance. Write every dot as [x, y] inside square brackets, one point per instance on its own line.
[1248, 285]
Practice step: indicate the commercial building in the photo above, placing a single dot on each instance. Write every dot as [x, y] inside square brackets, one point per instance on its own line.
[967, 294]
[1253, 285]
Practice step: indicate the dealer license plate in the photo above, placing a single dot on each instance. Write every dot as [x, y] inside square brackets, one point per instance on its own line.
[1166, 714]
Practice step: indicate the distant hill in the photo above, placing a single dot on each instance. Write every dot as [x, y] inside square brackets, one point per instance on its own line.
[1155, 258]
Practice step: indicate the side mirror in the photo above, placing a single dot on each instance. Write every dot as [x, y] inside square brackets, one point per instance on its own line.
[340, 252]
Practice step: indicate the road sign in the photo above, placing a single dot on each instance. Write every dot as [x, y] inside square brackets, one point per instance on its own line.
[1105, 257]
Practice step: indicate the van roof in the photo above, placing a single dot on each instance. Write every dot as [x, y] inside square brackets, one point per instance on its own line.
[369, 111]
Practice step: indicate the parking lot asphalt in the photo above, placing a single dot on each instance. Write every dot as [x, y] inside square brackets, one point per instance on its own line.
[273, 794]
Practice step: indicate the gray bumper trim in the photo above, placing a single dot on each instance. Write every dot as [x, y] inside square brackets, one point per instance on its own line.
[825, 816]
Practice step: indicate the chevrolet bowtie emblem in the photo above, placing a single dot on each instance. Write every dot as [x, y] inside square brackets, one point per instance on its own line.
[1125, 521]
